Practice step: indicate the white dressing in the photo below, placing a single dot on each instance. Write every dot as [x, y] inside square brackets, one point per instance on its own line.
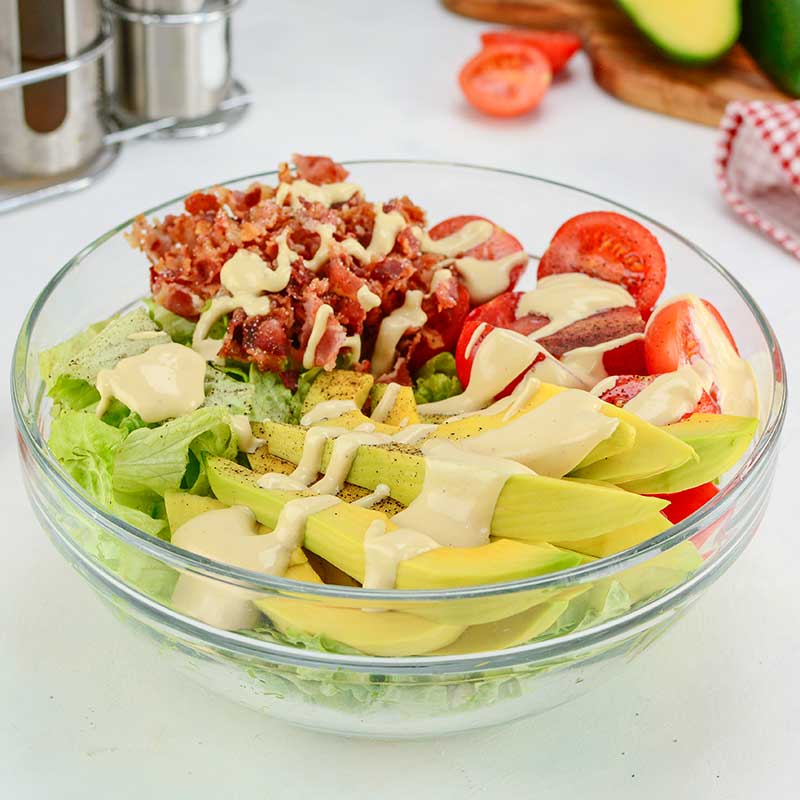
[353, 344]
[473, 233]
[569, 297]
[166, 381]
[281, 482]
[586, 363]
[367, 299]
[459, 493]
[327, 409]
[328, 194]
[552, 438]
[409, 316]
[386, 403]
[473, 340]
[381, 492]
[486, 278]
[411, 434]
[384, 235]
[384, 551]
[501, 357]
[246, 272]
[345, 447]
[240, 425]
[220, 306]
[440, 276]
[310, 463]
[733, 376]
[323, 313]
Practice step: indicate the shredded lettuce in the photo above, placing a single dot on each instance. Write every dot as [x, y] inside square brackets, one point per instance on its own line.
[271, 399]
[223, 390]
[298, 398]
[437, 379]
[53, 361]
[179, 329]
[172, 456]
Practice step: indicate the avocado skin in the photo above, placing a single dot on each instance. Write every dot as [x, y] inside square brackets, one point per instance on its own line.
[771, 33]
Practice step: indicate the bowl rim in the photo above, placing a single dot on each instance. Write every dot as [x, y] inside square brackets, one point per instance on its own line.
[181, 559]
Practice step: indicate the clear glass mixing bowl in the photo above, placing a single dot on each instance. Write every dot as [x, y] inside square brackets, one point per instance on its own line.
[394, 697]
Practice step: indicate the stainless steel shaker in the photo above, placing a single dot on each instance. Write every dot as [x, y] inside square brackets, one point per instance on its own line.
[172, 58]
[51, 86]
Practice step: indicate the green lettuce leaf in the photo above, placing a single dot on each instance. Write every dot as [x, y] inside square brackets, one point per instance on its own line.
[271, 399]
[304, 382]
[178, 328]
[152, 460]
[437, 379]
[52, 361]
[227, 392]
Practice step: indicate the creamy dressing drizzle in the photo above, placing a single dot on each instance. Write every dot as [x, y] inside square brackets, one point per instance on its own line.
[586, 363]
[459, 494]
[409, 316]
[384, 235]
[470, 235]
[220, 306]
[383, 553]
[386, 403]
[345, 448]
[144, 335]
[166, 381]
[367, 299]
[473, 340]
[486, 278]
[323, 313]
[501, 357]
[552, 438]
[440, 276]
[737, 392]
[381, 492]
[248, 443]
[328, 194]
[327, 409]
[411, 434]
[570, 297]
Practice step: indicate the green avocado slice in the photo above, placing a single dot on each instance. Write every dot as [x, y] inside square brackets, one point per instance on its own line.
[719, 440]
[692, 31]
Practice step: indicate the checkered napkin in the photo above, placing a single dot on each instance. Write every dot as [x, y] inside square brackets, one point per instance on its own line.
[758, 167]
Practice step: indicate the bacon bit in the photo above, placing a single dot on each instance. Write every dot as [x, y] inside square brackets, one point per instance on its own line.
[399, 374]
[201, 203]
[319, 169]
[413, 213]
[446, 293]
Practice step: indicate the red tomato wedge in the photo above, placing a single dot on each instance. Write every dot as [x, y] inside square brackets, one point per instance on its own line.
[612, 247]
[500, 244]
[671, 340]
[626, 387]
[684, 504]
[506, 80]
[557, 46]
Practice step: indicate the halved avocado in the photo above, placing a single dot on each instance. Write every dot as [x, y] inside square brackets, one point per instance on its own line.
[719, 440]
[531, 508]
[695, 31]
[339, 384]
[404, 411]
[390, 633]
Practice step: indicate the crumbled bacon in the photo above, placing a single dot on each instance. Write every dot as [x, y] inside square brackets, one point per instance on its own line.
[319, 169]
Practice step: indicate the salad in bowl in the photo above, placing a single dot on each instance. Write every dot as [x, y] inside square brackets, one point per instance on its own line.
[333, 428]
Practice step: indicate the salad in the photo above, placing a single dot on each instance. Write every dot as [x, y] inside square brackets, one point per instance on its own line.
[327, 389]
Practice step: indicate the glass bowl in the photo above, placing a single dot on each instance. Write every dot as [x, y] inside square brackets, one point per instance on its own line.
[587, 627]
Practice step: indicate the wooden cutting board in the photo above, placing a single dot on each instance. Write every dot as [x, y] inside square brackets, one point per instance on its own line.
[627, 66]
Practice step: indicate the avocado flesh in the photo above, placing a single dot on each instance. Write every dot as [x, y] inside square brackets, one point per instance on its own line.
[337, 535]
[719, 440]
[391, 633]
[616, 541]
[688, 30]
[338, 384]
[531, 508]
[660, 573]
[404, 411]
[508, 632]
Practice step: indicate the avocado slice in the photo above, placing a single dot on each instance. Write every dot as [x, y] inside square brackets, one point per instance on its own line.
[508, 632]
[531, 508]
[390, 633]
[688, 30]
[614, 542]
[772, 35]
[404, 411]
[719, 440]
[660, 573]
[339, 384]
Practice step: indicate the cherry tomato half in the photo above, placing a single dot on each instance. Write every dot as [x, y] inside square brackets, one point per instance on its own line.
[626, 387]
[557, 46]
[506, 80]
[684, 504]
[612, 247]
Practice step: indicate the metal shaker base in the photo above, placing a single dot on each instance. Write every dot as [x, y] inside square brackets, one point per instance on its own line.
[231, 110]
[19, 192]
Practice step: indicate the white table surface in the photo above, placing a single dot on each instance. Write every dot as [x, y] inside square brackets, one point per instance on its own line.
[712, 710]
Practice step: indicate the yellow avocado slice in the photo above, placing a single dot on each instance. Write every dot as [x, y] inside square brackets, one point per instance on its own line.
[404, 411]
[338, 384]
[390, 633]
[719, 440]
[531, 508]
[614, 542]
[508, 632]
[660, 573]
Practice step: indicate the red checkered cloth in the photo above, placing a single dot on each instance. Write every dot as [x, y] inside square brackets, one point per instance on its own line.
[758, 167]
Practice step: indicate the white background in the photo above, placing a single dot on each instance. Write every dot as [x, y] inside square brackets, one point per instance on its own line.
[710, 711]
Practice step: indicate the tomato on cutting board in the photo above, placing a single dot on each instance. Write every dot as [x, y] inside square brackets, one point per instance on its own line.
[611, 247]
[506, 80]
[557, 46]
[672, 340]
[626, 387]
